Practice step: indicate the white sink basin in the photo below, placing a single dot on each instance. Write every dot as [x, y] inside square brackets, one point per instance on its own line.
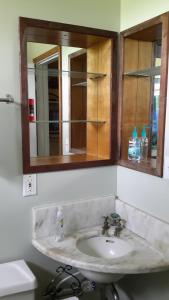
[104, 247]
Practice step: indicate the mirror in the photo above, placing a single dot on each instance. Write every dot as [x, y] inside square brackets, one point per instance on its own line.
[58, 121]
[68, 96]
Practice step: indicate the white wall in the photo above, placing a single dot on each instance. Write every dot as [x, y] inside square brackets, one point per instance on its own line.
[15, 211]
[134, 12]
[36, 49]
[146, 192]
[143, 191]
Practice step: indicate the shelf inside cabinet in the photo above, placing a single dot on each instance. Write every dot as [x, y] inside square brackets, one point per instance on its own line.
[150, 72]
[83, 83]
[60, 159]
[83, 75]
[69, 121]
[72, 74]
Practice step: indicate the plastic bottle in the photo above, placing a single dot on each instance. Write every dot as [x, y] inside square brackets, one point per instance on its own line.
[134, 150]
[144, 144]
[59, 226]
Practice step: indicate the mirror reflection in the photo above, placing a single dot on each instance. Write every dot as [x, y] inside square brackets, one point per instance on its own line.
[65, 116]
[54, 101]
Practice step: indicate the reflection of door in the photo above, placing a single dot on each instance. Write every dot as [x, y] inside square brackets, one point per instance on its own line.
[78, 102]
[48, 95]
[42, 109]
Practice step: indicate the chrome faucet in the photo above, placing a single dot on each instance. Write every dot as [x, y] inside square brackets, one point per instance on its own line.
[118, 229]
[113, 225]
[106, 226]
[117, 223]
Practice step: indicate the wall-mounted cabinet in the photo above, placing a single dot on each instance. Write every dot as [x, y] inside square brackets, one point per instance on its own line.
[69, 73]
[142, 95]
[69, 101]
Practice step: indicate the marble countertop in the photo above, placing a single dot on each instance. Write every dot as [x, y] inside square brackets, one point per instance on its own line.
[143, 259]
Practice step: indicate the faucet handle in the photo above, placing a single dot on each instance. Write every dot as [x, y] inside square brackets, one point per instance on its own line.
[115, 219]
[115, 216]
[106, 225]
[106, 218]
[123, 223]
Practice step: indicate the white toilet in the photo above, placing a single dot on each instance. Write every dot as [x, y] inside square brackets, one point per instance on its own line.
[17, 282]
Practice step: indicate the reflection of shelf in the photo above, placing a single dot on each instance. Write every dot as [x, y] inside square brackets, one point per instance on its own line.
[53, 101]
[154, 71]
[84, 84]
[82, 75]
[53, 132]
[69, 121]
[72, 74]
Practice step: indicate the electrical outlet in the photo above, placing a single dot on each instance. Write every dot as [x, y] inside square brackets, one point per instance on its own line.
[29, 185]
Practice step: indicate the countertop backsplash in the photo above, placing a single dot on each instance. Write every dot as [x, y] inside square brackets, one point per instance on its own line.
[76, 215]
[152, 229]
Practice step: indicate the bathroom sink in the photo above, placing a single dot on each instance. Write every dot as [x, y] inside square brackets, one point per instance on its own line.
[104, 247]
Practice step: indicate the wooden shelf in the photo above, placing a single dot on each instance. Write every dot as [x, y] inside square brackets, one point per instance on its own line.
[81, 84]
[62, 159]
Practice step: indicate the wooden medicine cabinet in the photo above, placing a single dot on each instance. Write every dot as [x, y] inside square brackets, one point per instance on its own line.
[69, 100]
[68, 85]
[142, 95]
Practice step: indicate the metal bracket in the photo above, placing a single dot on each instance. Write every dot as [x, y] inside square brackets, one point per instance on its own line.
[9, 99]
[52, 292]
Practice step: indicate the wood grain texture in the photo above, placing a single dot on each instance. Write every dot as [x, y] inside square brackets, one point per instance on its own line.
[64, 35]
[144, 34]
[59, 166]
[104, 99]
[92, 100]
[78, 101]
[98, 96]
[138, 55]
[62, 159]
[144, 97]
[49, 32]
[130, 55]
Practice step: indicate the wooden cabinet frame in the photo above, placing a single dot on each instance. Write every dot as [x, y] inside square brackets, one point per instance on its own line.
[77, 36]
[32, 30]
[134, 32]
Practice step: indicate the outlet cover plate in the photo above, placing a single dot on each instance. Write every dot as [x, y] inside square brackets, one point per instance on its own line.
[29, 185]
